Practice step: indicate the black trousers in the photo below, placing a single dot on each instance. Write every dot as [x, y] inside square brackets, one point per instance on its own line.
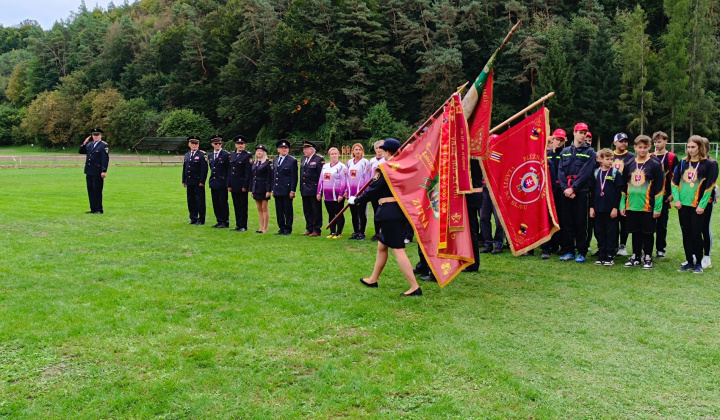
[606, 231]
[284, 212]
[707, 235]
[375, 206]
[691, 225]
[474, 215]
[359, 218]
[642, 225]
[196, 203]
[487, 211]
[575, 214]
[312, 209]
[623, 229]
[554, 243]
[333, 208]
[94, 189]
[661, 227]
[422, 267]
[220, 204]
[240, 205]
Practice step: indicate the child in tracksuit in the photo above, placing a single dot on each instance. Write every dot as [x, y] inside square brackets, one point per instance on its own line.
[605, 192]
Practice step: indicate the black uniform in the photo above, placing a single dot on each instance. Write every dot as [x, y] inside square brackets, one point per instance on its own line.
[195, 170]
[474, 203]
[605, 191]
[285, 179]
[389, 216]
[575, 170]
[310, 169]
[96, 163]
[219, 168]
[239, 179]
[553, 157]
[261, 177]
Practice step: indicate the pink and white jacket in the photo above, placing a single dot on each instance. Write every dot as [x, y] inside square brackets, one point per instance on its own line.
[333, 181]
[358, 175]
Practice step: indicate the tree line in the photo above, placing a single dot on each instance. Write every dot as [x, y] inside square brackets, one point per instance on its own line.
[340, 71]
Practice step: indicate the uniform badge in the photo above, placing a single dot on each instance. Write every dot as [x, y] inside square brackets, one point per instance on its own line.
[327, 176]
[353, 173]
[638, 178]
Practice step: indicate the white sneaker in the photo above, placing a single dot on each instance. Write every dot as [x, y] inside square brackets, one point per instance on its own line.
[705, 262]
[622, 251]
[685, 262]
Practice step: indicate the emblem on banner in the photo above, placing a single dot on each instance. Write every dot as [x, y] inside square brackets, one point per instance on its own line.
[528, 180]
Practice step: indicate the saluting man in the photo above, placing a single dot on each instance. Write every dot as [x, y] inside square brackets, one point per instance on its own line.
[219, 168]
[238, 181]
[310, 169]
[195, 170]
[96, 165]
[285, 179]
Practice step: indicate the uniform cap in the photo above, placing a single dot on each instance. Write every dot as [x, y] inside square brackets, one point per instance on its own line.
[215, 138]
[559, 132]
[620, 137]
[581, 126]
[96, 130]
[282, 143]
[240, 139]
[261, 146]
[308, 144]
[194, 139]
[391, 145]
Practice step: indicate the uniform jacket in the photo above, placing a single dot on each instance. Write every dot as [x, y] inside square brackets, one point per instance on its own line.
[310, 169]
[240, 175]
[576, 167]
[261, 177]
[553, 157]
[195, 170]
[643, 186]
[219, 168]
[378, 189]
[285, 176]
[606, 189]
[475, 199]
[333, 181]
[97, 157]
[358, 175]
[669, 162]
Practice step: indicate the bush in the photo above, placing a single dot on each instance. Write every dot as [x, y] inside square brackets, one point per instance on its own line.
[10, 119]
[185, 122]
[127, 122]
[380, 124]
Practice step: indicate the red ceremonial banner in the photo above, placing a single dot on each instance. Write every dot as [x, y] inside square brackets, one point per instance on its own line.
[516, 172]
[479, 120]
[426, 179]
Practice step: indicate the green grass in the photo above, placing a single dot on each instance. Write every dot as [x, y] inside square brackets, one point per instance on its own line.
[134, 314]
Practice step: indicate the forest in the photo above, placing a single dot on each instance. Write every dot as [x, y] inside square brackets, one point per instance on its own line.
[341, 71]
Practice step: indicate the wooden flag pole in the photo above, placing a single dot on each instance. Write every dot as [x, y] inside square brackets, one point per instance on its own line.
[414, 135]
[521, 113]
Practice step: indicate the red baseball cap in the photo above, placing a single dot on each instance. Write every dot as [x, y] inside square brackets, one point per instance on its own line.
[581, 126]
[589, 134]
[559, 132]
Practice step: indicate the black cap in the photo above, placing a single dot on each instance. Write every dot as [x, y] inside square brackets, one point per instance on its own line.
[240, 139]
[282, 143]
[620, 137]
[216, 138]
[96, 130]
[391, 145]
[308, 144]
[194, 139]
[261, 146]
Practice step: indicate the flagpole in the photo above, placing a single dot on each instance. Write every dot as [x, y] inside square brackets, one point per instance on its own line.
[413, 136]
[521, 113]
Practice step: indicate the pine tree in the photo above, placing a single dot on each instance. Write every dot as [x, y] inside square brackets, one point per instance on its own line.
[674, 79]
[556, 76]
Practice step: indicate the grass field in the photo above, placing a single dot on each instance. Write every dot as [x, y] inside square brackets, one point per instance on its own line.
[134, 314]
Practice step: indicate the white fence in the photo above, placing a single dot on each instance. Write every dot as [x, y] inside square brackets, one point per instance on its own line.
[79, 160]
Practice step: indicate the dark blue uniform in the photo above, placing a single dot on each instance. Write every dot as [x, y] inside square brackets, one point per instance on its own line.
[239, 179]
[605, 191]
[285, 179]
[389, 215]
[96, 163]
[195, 170]
[219, 168]
[474, 203]
[575, 170]
[310, 169]
[553, 158]
[261, 177]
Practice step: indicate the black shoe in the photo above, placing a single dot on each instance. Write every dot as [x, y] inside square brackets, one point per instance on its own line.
[429, 277]
[497, 249]
[360, 237]
[199, 223]
[217, 225]
[362, 280]
[353, 236]
[486, 250]
[239, 229]
[420, 272]
[97, 212]
[470, 270]
[225, 225]
[416, 292]
[89, 212]
[193, 222]
[286, 232]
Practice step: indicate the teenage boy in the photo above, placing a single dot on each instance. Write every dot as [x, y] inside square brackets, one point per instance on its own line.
[576, 168]
[668, 161]
[605, 192]
[641, 202]
[554, 153]
[622, 159]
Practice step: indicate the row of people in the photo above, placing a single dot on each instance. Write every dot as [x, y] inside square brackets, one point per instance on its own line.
[240, 174]
[623, 193]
